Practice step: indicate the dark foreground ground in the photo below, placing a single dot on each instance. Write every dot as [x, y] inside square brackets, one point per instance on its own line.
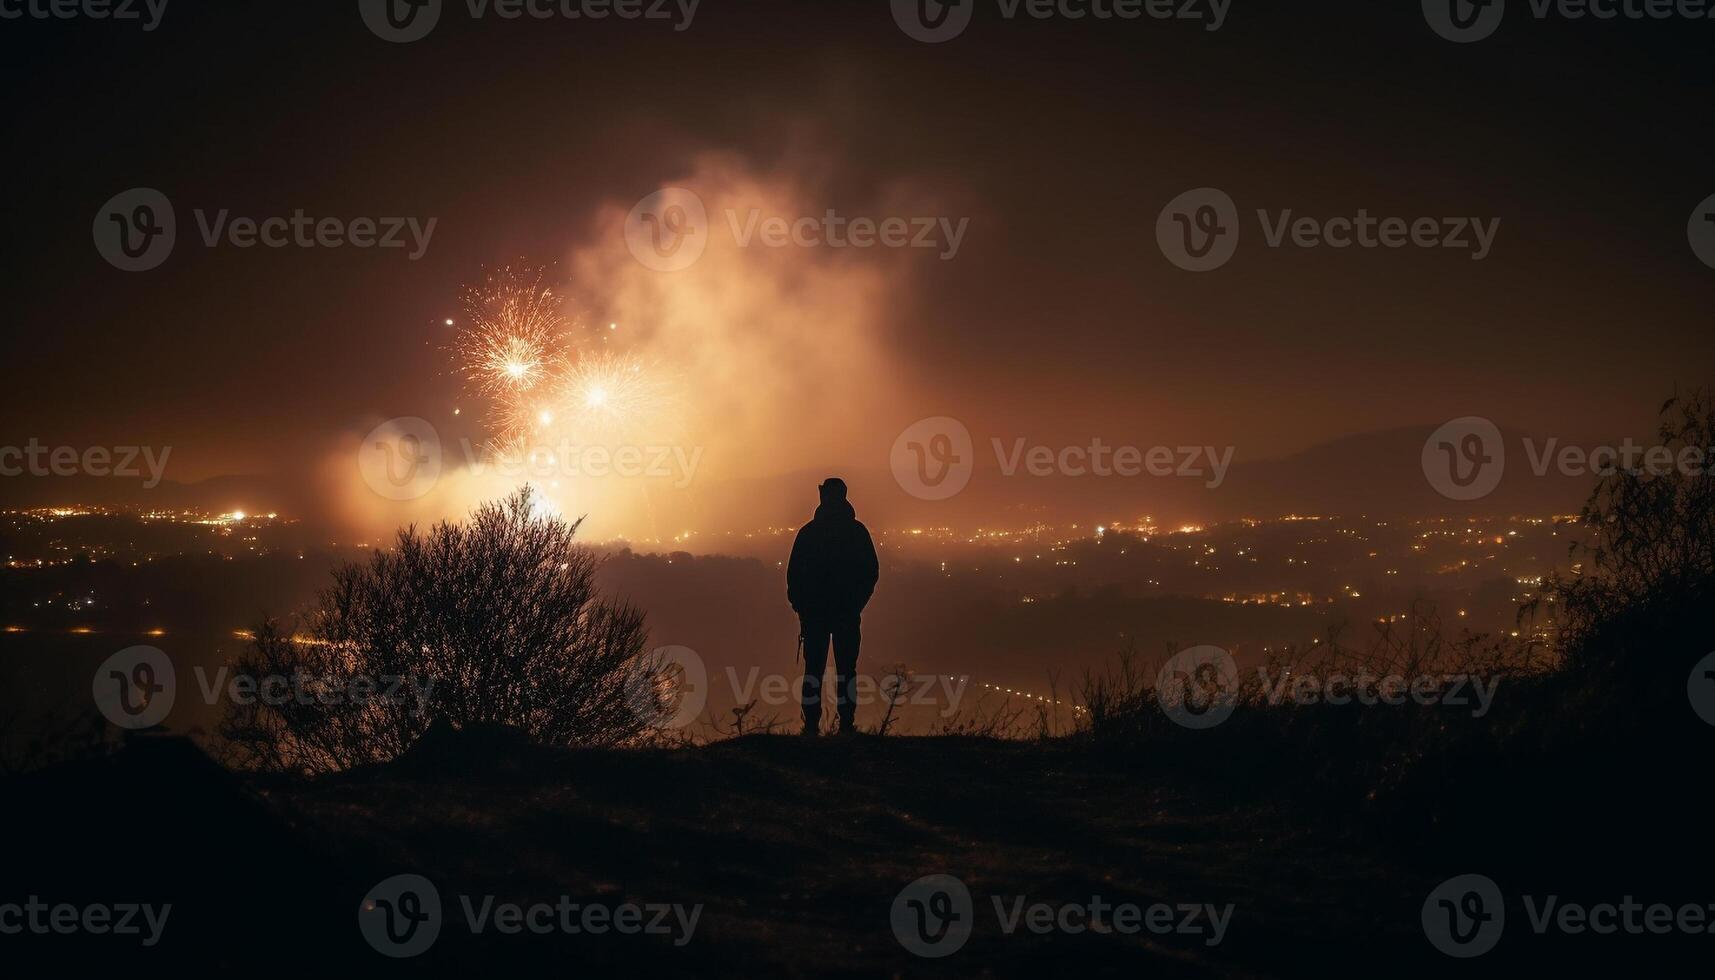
[796, 850]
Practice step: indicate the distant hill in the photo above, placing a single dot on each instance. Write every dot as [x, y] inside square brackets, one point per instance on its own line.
[1378, 474]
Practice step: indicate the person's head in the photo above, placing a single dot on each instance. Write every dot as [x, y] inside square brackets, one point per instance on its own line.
[833, 490]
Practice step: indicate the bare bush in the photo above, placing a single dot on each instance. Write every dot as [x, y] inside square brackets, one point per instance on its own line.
[1121, 699]
[1634, 609]
[996, 718]
[37, 740]
[894, 685]
[495, 621]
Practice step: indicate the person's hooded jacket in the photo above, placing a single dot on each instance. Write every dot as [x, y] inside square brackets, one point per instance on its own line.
[833, 569]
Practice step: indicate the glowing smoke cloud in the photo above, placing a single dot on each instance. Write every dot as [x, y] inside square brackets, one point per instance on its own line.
[752, 363]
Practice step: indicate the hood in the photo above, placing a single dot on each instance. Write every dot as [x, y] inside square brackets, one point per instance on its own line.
[836, 510]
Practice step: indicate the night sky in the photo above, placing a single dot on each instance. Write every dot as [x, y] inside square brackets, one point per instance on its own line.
[1059, 140]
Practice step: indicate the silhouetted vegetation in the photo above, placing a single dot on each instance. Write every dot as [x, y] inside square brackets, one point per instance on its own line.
[1350, 753]
[1638, 607]
[61, 734]
[1589, 724]
[496, 621]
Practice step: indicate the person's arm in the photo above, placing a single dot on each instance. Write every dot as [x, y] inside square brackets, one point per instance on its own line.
[795, 572]
[871, 567]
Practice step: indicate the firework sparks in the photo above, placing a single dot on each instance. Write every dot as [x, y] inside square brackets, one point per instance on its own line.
[610, 391]
[517, 329]
[547, 378]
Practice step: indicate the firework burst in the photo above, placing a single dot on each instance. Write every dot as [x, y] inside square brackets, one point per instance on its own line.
[547, 378]
[516, 331]
[609, 392]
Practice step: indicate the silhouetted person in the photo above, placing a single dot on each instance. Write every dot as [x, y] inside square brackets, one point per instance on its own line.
[828, 581]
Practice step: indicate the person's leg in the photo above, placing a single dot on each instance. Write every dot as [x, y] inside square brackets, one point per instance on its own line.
[846, 637]
[816, 636]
